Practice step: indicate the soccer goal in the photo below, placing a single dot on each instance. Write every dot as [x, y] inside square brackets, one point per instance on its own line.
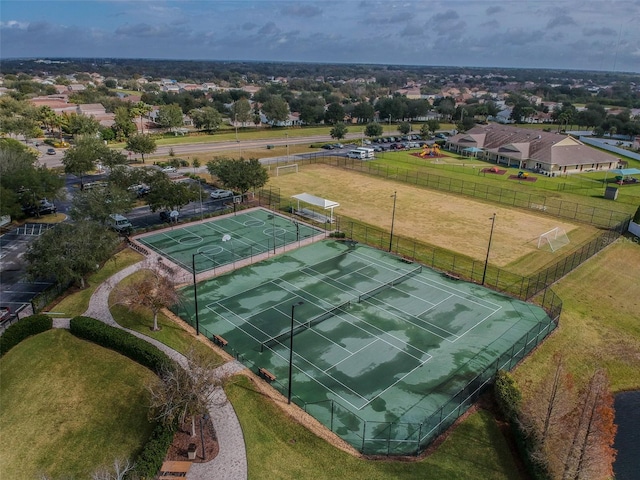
[556, 238]
[293, 168]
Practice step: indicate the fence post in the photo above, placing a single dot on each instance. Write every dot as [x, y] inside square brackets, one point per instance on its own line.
[364, 433]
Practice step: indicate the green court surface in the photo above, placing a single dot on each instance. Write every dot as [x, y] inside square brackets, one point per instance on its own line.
[386, 352]
[228, 239]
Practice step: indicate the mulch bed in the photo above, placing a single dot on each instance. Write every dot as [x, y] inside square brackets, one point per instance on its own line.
[182, 438]
[493, 170]
[526, 179]
[426, 156]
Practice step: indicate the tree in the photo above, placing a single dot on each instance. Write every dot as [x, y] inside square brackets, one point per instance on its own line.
[241, 111]
[404, 128]
[373, 130]
[23, 182]
[364, 112]
[82, 125]
[118, 471]
[152, 291]
[122, 126]
[275, 109]
[339, 131]
[70, 251]
[591, 453]
[140, 109]
[97, 204]
[82, 157]
[168, 195]
[142, 144]
[206, 118]
[170, 116]
[334, 114]
[179, 392]
[239, 175]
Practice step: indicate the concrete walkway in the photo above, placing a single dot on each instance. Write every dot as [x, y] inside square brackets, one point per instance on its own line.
[231, 461]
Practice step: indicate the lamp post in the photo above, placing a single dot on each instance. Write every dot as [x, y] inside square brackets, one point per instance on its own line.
[195, 291]
[393, 217]
[293, 308]
[486, 262]
[286, 134]
[235, 123]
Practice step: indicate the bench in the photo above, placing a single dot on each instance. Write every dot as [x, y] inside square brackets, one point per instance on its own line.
[318, 217]
[451, 276]
[218, 340]
[266, 374]
[406, 260]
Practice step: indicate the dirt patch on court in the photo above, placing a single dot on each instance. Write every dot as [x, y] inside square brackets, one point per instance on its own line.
[446, 220]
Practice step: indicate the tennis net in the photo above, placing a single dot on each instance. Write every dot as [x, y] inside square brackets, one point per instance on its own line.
[278, 339]
[385, 286]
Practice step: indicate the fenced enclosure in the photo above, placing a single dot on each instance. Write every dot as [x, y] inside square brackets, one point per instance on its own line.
[371, 330]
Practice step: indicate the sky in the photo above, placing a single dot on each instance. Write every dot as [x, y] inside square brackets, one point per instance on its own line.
[560, 34]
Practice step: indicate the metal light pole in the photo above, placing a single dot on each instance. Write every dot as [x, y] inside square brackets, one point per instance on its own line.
[486, 262]
[195, 291]
[235, 123]
[293, 307]
[393, 217]
[287, 137]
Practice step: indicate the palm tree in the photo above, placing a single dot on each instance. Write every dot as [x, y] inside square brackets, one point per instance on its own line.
[141, 109]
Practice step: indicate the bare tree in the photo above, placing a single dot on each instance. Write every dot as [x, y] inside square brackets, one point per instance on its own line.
[591, 452]
[153, 291]
[118, 470]
[180, 393]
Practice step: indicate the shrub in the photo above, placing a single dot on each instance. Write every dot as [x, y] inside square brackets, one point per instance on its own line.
[24, 328]
[150, 460]
[338, 235]
[119, 340]
[507, 395]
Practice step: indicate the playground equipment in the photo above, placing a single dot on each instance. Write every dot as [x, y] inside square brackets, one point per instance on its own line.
[522, 174]
[433, 151]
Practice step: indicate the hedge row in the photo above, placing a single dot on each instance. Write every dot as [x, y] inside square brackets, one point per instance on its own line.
[23, 329]
[120, 341]
[149, 462]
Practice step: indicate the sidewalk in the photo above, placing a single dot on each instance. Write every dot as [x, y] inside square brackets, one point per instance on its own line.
[231, 461]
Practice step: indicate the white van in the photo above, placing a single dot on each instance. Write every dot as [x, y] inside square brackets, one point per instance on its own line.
[369, 151]
[357, 154]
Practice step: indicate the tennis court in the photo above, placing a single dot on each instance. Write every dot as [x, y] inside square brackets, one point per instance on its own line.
[380, 340]
[228, 239]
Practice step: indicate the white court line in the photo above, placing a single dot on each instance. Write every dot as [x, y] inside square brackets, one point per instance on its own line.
[441, 286]
[478, 323]
[434, 305]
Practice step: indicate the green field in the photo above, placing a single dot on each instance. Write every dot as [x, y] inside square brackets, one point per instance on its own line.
[69, 407]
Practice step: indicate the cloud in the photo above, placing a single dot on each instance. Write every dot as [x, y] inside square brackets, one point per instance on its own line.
[269, 28]
[604, 31]
[447, 16]
[412, 30]
[247, 26]
[298, 10]
[560, 21]
[493, 10]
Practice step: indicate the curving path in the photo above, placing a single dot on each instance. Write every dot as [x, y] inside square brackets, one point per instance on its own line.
[231, 461]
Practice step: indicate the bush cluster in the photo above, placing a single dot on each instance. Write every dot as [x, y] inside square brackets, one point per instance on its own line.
[23, 329]
[122, 342]
[149, 462]
[338, 235]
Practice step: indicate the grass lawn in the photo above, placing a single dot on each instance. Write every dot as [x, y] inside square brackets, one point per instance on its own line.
[171, 332]
[459, 224]
[280, 448]
[69, 407]
[583, 188]
[599, 324]
[77, 302]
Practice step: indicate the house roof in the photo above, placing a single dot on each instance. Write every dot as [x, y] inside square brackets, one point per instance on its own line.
[524, 144]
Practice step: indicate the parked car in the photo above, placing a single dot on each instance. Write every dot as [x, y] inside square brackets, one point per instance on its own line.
[219, 193]
[327, 146]
[51, 151]
[338, 145]
[119, 223]
[169, 169]
[43, 207]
